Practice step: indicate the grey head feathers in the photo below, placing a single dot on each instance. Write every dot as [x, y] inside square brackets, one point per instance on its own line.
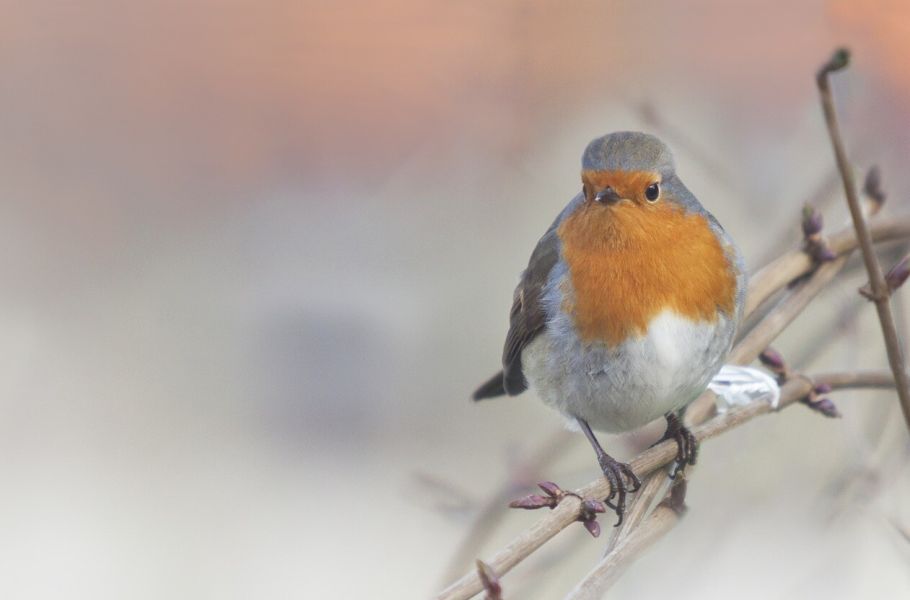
[628, 151]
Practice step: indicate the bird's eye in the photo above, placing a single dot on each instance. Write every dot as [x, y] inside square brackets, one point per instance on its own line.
[652, 193]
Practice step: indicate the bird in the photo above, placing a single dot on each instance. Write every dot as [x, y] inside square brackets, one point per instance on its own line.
[628, 306]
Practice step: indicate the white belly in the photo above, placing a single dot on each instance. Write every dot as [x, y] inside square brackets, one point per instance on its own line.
[628, 386]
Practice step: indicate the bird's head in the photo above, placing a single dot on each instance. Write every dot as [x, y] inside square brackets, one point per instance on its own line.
[626, 166]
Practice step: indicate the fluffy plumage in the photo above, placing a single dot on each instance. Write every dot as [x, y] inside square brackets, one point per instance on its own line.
[627, 307]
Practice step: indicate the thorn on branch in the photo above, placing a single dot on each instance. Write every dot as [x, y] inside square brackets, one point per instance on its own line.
[554, 495]
[490, 581]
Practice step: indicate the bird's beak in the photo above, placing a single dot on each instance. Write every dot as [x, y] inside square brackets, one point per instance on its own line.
[607, 195]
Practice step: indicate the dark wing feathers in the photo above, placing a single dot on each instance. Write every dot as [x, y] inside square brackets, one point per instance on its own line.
[528, 316]
[526, 319]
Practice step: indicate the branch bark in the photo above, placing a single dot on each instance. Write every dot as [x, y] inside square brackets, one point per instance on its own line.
[880, 292]
[778, 273]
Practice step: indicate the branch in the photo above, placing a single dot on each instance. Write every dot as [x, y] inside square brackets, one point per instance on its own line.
[880, 293]
[789, 267]
[778, 273]
[608, 570]
[856, 380]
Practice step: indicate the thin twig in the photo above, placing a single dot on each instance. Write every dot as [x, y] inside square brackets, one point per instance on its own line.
[778, 273]
[880, 294]
[857, 380]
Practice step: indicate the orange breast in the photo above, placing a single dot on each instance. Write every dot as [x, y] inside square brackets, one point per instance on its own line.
[629, 262]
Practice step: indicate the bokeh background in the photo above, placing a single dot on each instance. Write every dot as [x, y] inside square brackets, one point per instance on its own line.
[256, 255]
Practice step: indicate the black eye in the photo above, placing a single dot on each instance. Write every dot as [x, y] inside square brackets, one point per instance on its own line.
[652, 192]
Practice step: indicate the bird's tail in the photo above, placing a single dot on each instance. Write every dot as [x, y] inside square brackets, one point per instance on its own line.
[493, 387]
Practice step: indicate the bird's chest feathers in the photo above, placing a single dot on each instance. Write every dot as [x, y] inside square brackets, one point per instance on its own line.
[629, 263]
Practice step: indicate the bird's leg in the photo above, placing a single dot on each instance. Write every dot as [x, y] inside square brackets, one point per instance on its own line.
[620, 475]
[686, 444]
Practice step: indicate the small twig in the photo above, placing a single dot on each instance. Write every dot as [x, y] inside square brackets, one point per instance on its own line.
[838, 61]
[857, 380]
[791, 265]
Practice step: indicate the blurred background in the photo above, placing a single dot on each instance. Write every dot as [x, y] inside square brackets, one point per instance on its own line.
[256, 256]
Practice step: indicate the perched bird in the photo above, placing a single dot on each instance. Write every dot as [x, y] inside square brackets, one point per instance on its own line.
[629, 303]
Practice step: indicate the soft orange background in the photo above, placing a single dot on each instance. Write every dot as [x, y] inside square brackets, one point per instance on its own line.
[257, 254]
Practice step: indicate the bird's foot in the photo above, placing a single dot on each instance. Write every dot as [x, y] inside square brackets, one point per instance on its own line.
[622, 481]
[686, 444]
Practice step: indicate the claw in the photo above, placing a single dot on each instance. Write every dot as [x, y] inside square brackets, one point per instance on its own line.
[686, 444]
[618, 474]
[614, 471]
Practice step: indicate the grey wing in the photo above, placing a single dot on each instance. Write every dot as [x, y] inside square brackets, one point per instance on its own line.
[528, 317]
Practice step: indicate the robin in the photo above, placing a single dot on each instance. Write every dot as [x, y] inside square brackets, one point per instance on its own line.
[628, 306]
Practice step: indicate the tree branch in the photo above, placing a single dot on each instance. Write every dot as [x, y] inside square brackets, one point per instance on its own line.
[778, 273]
[880, 293]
